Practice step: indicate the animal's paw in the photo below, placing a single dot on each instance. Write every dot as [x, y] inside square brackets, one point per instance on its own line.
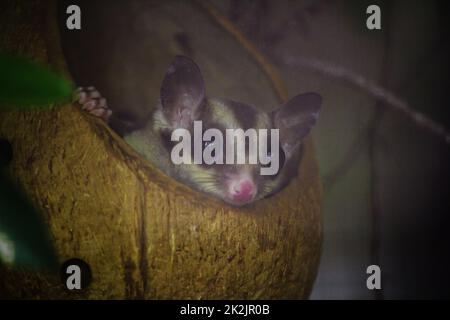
[92, 102]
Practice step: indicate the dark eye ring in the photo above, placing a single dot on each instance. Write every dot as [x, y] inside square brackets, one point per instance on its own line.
[281, 162]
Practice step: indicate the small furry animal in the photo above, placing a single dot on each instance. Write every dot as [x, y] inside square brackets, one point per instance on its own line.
[183, 101]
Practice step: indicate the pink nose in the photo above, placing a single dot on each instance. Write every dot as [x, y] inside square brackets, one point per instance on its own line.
[243, 191]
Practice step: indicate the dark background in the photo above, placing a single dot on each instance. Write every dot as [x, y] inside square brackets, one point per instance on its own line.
[386, 179]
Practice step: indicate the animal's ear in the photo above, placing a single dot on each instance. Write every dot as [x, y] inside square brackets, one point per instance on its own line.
[182, 92]
[295, 119]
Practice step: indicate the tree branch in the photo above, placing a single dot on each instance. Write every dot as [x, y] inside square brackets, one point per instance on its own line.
[372, 88]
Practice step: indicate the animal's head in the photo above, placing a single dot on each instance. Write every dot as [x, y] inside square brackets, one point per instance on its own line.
[183, 103]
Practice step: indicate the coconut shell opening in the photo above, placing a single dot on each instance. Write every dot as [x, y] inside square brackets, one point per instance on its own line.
[143, 234]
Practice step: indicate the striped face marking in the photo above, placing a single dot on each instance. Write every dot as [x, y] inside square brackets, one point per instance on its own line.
[228, 171]
[203, 150]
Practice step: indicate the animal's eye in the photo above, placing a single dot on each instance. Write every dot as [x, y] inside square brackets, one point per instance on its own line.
[282, 159]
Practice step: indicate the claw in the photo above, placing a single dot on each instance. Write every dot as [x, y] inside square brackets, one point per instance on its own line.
[90, 105]
[99, 112]
[102, 103]
[94, 94]
[82, 96]
[92, 102]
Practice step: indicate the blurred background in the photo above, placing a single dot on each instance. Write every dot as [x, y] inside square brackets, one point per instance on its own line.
[386, 179]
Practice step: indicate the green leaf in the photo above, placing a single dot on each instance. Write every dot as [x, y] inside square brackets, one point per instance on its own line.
[24, 238]
[24, 83]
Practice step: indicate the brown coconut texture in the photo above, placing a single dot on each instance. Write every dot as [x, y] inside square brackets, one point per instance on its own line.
[144, 235]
